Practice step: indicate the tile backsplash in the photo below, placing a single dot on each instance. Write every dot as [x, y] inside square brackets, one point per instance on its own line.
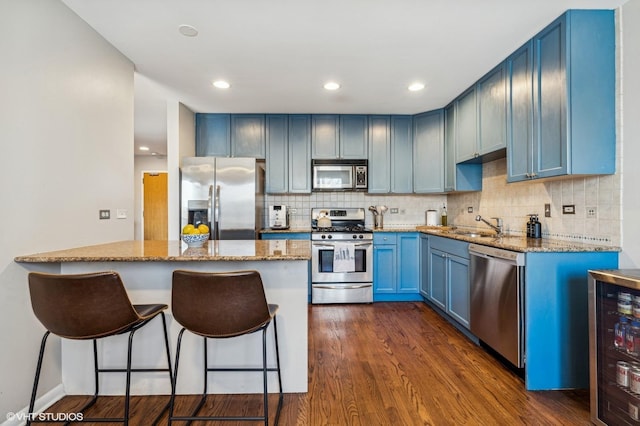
[514, 202]
[511, 202]
[411, 208]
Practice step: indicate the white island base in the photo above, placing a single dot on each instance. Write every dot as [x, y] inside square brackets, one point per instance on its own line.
[286, 284]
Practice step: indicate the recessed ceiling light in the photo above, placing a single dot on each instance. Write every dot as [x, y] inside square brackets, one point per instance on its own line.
[154, 153]
[221, 84]
[144, 148]
[414, 87]
[332, 85]
[187, 31]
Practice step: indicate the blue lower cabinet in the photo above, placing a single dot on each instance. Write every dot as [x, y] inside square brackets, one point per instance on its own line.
[396, 266]
[448, 277]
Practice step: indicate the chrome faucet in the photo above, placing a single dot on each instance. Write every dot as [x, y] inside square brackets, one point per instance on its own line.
[497, 227]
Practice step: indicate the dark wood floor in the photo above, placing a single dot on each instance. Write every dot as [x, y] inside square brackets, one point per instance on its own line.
[387, 364]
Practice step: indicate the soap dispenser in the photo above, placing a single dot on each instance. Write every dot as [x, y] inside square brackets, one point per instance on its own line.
[534, 227]
[443, 217]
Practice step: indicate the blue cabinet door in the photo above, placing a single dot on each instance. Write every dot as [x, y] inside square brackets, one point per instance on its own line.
[401, 154]
[458, 286]
[424, 266]
[248, 135]
[466, 126]
[379, 154]
[353, 136]
[428, 148]
[277, 154]
[300, 154]
[324, 137]
[384, 268]
[408, 262]
[520, 113]
[213, 135]
[492, 111]
[550, 102]
[438, 278]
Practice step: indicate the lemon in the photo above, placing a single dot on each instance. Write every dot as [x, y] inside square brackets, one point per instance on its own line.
[188, 229]
[204, 229]
[195, 231]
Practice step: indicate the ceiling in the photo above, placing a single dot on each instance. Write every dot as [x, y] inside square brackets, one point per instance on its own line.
[278, 54]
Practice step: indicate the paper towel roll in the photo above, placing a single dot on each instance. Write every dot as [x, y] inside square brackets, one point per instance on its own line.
[431, 217]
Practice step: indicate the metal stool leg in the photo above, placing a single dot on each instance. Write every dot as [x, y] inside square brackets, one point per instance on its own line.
[36, 379]
[281, 395]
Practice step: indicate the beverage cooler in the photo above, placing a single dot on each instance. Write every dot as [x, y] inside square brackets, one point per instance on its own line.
[614, 346]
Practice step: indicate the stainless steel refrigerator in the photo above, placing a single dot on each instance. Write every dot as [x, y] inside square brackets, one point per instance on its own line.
[224, 193]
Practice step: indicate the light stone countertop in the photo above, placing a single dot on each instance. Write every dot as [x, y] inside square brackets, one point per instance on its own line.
[177, 251]
[518, 243]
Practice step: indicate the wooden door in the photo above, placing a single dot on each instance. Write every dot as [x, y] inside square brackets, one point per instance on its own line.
[155, 206]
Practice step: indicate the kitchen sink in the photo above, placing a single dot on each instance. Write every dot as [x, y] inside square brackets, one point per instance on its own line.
[472, 234]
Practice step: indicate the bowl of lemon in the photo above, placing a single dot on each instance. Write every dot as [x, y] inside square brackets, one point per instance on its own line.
[195, 236]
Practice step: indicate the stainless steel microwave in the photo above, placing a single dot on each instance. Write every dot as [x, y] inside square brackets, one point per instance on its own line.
[339, 175]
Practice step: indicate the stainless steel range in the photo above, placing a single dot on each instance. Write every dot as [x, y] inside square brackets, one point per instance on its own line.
[341, 256]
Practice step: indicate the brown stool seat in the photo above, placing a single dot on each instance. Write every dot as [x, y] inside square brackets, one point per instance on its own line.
[88, 307]
[219, 305]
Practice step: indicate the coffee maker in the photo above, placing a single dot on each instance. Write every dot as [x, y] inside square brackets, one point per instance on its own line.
[278, 217]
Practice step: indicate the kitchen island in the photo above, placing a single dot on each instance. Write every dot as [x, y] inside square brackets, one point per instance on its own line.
[146, 268]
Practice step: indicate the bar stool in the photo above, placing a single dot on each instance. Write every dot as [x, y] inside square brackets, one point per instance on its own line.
[218, 306]
[89, 307]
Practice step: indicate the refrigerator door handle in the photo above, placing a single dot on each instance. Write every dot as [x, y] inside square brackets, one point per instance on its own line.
[210, 213]
[216, 214]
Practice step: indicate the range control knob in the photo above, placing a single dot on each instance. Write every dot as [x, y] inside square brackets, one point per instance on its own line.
[330, 237]
[361, 236]
[354, 236]
[323, 236]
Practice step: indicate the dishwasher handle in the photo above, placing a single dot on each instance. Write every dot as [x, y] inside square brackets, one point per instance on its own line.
[517, 258]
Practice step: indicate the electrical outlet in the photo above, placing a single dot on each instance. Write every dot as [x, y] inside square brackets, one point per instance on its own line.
[469, 209]
[569, 209]
[293, 211]
[105, 214]
[547, 210]
[393, 210]
[121, 213]
[592, 213]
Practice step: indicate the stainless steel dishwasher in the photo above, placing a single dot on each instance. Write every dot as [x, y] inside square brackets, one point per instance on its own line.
[497, 300]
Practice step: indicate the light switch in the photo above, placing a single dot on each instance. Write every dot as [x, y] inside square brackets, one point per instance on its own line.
[105, 214]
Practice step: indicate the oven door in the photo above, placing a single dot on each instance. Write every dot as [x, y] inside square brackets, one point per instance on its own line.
[322, 254]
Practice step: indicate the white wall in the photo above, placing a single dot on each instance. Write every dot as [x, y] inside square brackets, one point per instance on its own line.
[66, 144]
[630, 256]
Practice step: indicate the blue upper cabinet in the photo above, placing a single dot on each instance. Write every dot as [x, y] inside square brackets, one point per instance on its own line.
[463, 176]
[379, 154]
[300, 153]
[520, 113]
[353, 136]
[428, 152]
[492, 111]
[325, 136]
[248, 135]
[339, 136]
[213, 135]
[401, 154]
[277, 150]
[573, 101]
[466, 126]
